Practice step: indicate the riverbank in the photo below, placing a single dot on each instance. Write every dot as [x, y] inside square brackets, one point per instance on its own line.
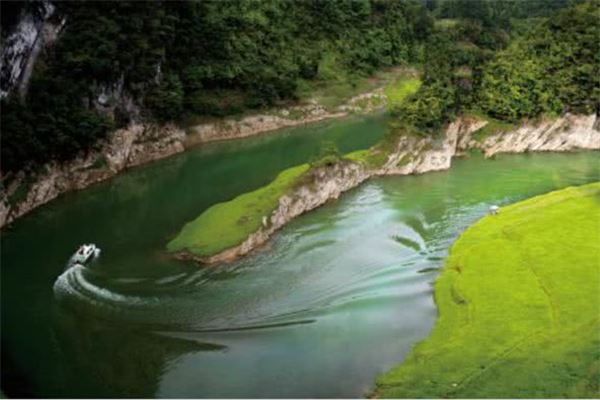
[344, 266]
[143, 143]
[409, 154]
[519, 323]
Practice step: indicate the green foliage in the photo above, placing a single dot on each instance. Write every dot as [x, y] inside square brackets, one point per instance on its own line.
[328, 155]
[430, 107]
[398, 90]
[554, 68]
[228, 224]
[453, 61]
[359, 156]
[518, 307]
[185, 59]
[498, 12]
[180, 60]
[166, 99]
[492, 127]
[550, 69]
[48, 128]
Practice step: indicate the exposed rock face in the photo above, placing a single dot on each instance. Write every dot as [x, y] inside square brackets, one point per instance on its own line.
[231, 128]
[248, 126]
[142, 143]
[37, 28]
[415, 155]
[128, 147]
[320, 186]
[113, 100]
[562, 134]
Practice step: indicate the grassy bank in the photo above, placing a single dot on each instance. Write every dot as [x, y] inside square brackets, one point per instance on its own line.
[519, 307]
[228, 224]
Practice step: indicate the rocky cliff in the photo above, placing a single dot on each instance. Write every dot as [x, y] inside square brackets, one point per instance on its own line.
[234, 128]
[566, 133]
[140, 143]
[319, 186]
[416, 155]
[38, 27]
[128, 147]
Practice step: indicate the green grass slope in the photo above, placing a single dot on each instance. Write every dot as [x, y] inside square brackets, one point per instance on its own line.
[228, 224]
[397, 91]
[519, 307]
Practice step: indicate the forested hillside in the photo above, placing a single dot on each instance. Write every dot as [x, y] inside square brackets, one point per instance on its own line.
[116, 62]
[201, 58]
[553, 69]
[471, 64]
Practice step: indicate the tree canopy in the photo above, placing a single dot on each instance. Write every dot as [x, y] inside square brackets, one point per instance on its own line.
[195, 58]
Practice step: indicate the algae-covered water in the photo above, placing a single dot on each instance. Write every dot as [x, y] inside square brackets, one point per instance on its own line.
[337, 297]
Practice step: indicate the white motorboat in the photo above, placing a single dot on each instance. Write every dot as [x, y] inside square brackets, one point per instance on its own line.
[85, 254]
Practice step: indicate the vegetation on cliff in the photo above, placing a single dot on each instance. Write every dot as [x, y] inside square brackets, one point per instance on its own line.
[120, 61]
[553, 67]
[523, 324]
[165, 60]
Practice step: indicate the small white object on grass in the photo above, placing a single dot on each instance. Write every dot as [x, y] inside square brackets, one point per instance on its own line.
[494, 210]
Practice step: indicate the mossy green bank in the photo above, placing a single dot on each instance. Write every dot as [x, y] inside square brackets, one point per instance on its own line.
[519, 307]
[228, 224]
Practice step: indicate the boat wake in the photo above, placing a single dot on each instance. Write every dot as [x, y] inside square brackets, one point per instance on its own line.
[309, 275]
[76, 282]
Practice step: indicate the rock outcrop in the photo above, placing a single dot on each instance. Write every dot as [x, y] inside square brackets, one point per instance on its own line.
[140, 143]
[566, 133]
[417, 155]
[128, 147]
[319, 186]
[231, 128]
[235, 128]
[38, 27]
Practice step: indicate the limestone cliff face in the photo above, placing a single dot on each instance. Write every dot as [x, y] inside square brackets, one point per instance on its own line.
[567, 133]
[140, 143]
[128, 147]
[38, 27]
[234, 128]
[415, 155]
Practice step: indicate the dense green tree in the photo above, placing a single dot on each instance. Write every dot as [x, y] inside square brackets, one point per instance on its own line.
[194, 57]
[176, 59]
[166, 99]
[554, 68]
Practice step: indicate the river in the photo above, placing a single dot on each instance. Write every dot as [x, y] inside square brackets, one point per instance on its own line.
[337, 297]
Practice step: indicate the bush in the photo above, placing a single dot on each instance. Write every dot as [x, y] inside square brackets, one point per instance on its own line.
[329, 155]
[166, 99]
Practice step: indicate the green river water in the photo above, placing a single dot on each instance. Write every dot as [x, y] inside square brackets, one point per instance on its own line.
[337, 297]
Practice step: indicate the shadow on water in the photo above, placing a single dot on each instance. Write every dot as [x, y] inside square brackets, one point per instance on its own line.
[128, 366]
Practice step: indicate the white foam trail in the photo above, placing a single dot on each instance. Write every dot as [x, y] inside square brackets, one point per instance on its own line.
[73, 283]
